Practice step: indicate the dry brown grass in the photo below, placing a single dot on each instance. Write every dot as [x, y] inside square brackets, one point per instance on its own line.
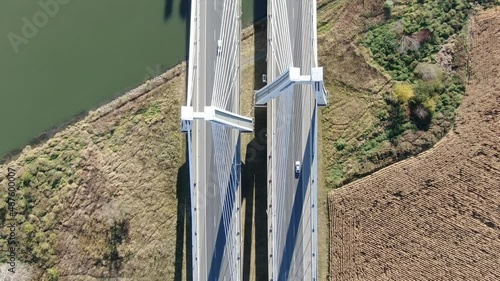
[122, 163]
[354, 82]
[434, 216]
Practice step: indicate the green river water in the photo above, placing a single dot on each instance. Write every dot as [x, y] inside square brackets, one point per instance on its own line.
[60, 58]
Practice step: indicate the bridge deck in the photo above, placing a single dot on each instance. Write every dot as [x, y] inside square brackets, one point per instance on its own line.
[292, 135]
[215, 158]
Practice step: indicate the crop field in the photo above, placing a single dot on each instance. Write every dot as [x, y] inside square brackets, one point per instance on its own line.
[434, 216]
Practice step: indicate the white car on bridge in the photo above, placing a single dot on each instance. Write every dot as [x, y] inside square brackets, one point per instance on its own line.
[219, 47]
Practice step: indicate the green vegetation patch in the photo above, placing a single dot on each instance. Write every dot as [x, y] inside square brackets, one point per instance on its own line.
[407, 46]
[38, 203]
[423, 46]
[401, 43]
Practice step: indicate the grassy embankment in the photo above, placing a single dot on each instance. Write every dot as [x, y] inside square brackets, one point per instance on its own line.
[103, 197]
[396, 73]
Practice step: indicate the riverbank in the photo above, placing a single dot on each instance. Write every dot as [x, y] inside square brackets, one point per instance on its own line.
[145, 88]
[61, 59]
[87, 191]
[103, 110]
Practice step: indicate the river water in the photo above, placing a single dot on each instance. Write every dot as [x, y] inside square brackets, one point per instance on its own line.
[60, 58]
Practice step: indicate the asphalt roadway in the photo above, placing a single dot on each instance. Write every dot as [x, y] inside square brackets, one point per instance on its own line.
[292, 137]
[216, 149]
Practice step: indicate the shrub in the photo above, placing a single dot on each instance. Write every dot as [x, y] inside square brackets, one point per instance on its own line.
[403, 92]
[26, 178]
[382, 115]
[388, 8]
[425, 27]
[49, 219]
[340, 144]
[397, 119]
[3, 211]
[430, 105]
[52, 274]
[337, 174]
[421, 116]
[425, 90]
[428, 71]
[28, 228]
[420, 112]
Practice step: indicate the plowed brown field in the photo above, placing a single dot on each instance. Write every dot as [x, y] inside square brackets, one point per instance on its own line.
[435, 216]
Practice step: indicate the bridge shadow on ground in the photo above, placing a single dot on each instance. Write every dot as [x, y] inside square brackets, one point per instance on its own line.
[169, 6]
[254, 176]
[184, 9]
[259, 9]
[183, 254]
[254, 194]
[185, 14]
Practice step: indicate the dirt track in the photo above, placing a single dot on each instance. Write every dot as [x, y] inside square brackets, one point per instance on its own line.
[435, 216]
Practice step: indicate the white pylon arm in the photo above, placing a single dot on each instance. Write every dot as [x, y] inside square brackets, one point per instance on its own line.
[274, 89]
[319, 86]
[288, 79]
[217, 115]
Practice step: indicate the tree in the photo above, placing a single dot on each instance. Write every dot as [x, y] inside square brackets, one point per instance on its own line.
[403, 92]
[421, 116]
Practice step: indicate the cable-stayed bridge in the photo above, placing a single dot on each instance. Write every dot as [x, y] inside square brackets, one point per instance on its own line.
[213, 125]
[212, 121]
[294, 91]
